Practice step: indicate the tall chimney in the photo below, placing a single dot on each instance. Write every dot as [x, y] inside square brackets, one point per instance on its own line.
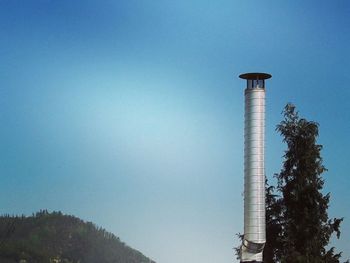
[254, 171]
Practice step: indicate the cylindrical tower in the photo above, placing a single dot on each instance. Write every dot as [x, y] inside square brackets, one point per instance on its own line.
[254, 169]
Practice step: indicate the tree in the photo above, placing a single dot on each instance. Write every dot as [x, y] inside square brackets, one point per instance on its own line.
[273, 244]
[304, 226]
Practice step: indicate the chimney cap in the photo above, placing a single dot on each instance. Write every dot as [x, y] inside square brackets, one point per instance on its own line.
[255, 76]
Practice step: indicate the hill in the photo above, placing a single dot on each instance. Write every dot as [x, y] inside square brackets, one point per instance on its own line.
[53, 237]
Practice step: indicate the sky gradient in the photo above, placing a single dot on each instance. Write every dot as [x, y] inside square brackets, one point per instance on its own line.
[129, 113]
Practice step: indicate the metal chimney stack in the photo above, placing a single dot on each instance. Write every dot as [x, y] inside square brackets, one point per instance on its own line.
[254, 169]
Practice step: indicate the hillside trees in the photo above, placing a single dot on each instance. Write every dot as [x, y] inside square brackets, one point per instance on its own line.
[54, 237]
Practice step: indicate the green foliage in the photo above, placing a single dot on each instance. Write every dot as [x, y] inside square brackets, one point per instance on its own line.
[273, 225]
[297, 222]
[53, 237]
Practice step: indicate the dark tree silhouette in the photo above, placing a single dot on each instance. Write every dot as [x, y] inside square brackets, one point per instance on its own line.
[304, 226]
[273, 225]
[54, 237]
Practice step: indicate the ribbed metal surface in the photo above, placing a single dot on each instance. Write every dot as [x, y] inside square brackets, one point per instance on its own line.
[254, 170]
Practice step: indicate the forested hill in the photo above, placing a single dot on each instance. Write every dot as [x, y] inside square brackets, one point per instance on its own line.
[54, 237]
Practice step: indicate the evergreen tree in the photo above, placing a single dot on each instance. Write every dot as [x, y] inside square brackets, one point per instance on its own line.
[304, 224]
[273, 225]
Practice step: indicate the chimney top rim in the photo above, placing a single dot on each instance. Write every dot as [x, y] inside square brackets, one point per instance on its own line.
[255, 75]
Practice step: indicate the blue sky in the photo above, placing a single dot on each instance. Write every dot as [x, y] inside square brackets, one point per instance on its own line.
[130, 113]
